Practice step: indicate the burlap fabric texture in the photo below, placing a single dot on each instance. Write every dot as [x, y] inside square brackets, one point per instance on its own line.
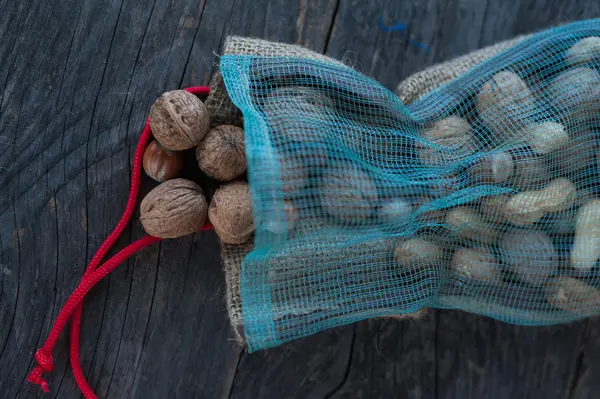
[223, 111]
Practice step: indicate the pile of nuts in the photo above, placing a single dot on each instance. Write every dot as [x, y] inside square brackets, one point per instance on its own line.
[517, 236]
[551, 168]
[177, 207]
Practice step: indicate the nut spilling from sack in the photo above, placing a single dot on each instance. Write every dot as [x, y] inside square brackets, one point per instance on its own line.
[483, 195]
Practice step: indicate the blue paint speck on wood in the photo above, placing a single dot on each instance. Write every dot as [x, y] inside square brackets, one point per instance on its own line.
[401, 27]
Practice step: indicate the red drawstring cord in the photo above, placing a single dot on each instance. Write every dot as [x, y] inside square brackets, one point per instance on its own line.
[93, 274]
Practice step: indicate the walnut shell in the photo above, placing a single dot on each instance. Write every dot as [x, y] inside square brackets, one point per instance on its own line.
[292, 113]
[293, 174]
[173, 209]
[221, 155]
[162, 164]
[348, 192]
[179, 120]
[230, 211]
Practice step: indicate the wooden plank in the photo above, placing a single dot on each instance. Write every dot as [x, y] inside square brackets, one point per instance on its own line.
[448, 28]
[31, 250]
[130, 349]
[392, 358]
[506, 19]
[77, 82]
[311, 367]
[585, 383]
[480, 357]
[112, 60]
[305, 22]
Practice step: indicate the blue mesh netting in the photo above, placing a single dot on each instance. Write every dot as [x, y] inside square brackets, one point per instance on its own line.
[481, 196]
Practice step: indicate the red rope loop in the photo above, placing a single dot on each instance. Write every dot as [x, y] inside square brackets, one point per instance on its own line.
[95, 272]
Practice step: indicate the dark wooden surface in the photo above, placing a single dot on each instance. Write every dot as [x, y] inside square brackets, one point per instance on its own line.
[76, 82]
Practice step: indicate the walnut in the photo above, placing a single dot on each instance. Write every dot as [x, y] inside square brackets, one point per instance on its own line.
[230, 212]
[348, 192]
[179, 120]
[173, 209]
[221, 155]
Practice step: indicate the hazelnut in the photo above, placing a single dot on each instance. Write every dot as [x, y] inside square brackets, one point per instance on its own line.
[162, 164]
[230, 211]
[293, 111]
[573, 295]
[505, 104]
[585, 51]
[529, 254]
[453, 135]
[179, 120]
[173, 209]
[221, 154]
[348, 192]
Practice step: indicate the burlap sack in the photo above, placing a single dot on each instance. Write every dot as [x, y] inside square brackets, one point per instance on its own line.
[224, 112]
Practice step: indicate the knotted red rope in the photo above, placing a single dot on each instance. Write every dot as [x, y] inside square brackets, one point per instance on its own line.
[72, 309]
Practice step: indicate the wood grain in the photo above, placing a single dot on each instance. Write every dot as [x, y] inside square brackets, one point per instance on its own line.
[76, 83]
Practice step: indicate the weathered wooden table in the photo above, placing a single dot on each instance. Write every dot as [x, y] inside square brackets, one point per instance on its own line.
[78, 78]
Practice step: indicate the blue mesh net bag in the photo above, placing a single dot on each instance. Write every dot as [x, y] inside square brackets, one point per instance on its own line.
[481, 195]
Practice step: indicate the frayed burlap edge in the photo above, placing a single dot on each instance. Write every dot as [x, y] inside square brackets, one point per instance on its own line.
[421, 83]
[218, 103]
